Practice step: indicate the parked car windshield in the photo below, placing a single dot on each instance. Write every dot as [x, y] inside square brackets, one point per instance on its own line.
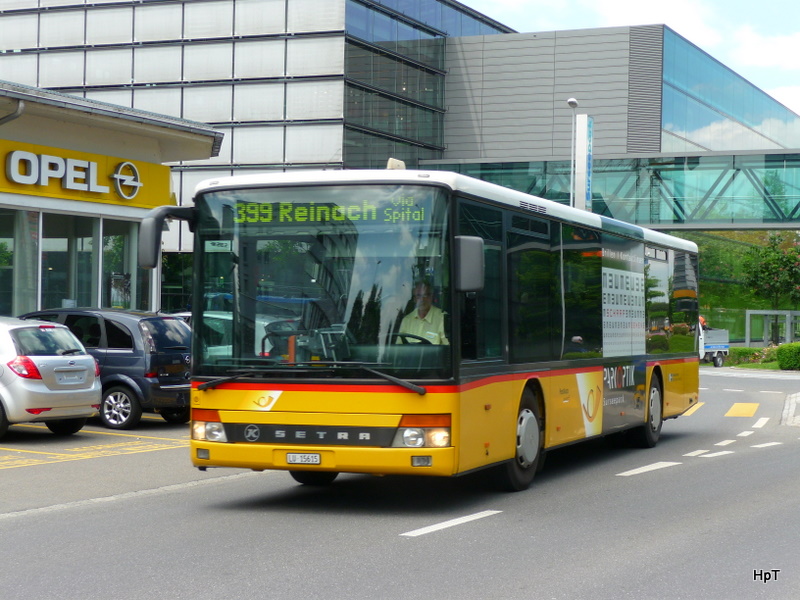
[45, 340]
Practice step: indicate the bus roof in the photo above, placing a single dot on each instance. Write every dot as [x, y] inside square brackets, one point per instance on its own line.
[458, 183]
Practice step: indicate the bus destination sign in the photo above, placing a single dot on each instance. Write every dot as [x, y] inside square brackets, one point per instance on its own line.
[397, 210]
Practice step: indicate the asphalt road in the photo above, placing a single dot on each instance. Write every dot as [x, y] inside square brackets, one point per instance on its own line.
[713, 512]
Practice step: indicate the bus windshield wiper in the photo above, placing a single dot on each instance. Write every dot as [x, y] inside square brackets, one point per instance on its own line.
[316, 364]
[236, 374]
[396, 380]
[220, 380]
[365, 367]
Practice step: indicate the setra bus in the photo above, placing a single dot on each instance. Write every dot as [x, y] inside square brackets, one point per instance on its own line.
[424, 322]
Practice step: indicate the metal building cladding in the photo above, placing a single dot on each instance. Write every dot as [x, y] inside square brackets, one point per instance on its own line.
[77, 176]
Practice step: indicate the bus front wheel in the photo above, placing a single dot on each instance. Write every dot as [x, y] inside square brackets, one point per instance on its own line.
[517, 474]
[314, 478]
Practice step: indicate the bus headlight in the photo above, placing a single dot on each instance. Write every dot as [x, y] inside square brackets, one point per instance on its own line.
[422, 437]
[437, 438]
[423, 431]
[211, 432]
[413, 437]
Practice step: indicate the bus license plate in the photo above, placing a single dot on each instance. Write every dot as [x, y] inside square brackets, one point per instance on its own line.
[294, 458]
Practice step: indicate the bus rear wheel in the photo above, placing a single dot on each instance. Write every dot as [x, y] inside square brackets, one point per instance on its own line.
[315, 478]
[517, 474]
[647, 435]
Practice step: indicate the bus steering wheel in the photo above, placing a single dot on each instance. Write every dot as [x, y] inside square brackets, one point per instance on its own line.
[408, 337]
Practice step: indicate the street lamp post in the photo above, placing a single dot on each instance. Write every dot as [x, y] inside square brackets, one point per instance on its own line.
[573, 104]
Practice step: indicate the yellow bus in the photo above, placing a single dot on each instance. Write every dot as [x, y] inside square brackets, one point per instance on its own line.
[424, 323]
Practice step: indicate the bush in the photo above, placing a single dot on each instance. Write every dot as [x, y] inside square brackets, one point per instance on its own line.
[789, 357]
[739, 356]
[681, 343]
[681, 329]
[768, 354]
[657, 343]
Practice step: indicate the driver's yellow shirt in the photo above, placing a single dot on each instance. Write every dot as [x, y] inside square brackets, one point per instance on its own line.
[431, 327]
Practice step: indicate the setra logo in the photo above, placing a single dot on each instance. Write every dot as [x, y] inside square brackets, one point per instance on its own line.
[252, 433]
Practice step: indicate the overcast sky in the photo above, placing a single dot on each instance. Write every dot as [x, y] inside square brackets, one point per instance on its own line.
[759, 39]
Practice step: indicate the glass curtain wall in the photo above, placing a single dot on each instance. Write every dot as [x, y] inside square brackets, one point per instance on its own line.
[697, 192]
[706, 106]
[394, 97]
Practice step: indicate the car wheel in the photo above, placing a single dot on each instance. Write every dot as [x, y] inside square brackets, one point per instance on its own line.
[66, 426]
[315, 478]
[120, 409]
[719, 360]
[177, 416]
[3, 421]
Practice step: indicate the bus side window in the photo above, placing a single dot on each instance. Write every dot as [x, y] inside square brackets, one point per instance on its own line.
[482, 312]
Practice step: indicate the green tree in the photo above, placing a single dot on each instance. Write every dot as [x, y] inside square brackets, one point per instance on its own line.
[772, 271]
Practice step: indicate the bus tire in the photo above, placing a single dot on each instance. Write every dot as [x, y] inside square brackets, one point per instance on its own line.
[517, 474]
[646, 436]
[314, 478]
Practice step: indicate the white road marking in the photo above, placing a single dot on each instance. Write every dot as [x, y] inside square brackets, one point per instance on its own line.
[770, 392]
[731, 390]
[745, 433]
[696, 453]
[648, 468]
[125, 495]
[715, 454]
[761, 422]
[767, 445]
[451, 523]
[725, 443]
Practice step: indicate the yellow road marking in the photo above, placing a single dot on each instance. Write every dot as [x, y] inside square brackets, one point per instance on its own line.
[112, 433]
[21, 451]
[693, 410]
[743, 409]
[17, 457]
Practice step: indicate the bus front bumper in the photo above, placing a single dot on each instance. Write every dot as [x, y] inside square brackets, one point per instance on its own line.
[342, 459]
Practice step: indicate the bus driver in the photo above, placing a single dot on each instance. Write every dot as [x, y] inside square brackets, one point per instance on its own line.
[426, 320]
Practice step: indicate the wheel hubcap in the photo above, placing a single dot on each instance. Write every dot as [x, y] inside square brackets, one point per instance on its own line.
[527, 438]
[117, 408]
[655, 408]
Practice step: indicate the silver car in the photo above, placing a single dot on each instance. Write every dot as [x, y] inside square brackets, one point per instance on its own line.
[46, 376]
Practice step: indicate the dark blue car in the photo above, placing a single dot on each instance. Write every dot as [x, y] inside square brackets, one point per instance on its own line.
[144, 361]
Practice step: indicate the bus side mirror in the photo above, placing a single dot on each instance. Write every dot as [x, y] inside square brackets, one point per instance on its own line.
[150, 231]
[469, 263]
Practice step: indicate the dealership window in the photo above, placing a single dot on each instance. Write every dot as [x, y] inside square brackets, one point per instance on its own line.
[118, 285]
[68, 261]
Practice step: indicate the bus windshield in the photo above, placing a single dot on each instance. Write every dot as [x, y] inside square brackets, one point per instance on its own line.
[321, 280]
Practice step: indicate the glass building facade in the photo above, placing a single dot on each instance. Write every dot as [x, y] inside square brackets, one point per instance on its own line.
[394, 77]
[708, 107]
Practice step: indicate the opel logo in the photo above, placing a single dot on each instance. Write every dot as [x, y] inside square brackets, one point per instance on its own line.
[126, 180]
[252, 433]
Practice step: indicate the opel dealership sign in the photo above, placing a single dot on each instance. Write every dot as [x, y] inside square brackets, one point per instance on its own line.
[59, 173]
